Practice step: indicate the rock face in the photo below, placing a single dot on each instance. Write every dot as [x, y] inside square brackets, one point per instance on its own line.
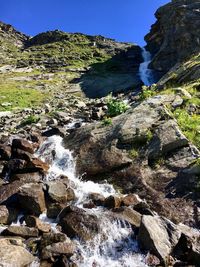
[143, 151]
[175, 35]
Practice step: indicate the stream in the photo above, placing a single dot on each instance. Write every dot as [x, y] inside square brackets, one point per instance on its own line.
[115, 245]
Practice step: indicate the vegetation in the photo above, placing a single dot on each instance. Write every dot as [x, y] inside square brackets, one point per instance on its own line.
[133, 153]
[12, 97]
[30, 120]
[147, 92]
[106, 121]
[116, 107]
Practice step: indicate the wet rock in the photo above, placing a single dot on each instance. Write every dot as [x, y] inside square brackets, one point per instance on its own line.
[131, 200]
[54, 209]
[11, 255]
[129, 215]
[97, 199]
[24, 145]
[51, 238]
[112, 202]
[158, 235]
[152, 260]
[58, 192]
[60, 248]
[76, 222]
[22, 231]
[31, 198]
[37, 165]
[32, 221]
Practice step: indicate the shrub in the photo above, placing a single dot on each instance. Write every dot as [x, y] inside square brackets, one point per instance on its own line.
[106, 121]
[116, 107]
[30, 120]
[147, 92]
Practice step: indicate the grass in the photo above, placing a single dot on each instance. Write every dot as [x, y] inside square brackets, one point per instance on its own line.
[19, 98]
[189, 124]
[106, 121]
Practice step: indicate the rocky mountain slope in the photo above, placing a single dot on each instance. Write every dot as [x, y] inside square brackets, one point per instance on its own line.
[85, 181]
[68, 63]
[175, 35]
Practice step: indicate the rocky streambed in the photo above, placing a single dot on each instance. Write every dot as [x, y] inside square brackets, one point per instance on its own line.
[76, 192]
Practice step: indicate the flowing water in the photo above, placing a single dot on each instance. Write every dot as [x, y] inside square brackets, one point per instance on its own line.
[146, 74]
[115, 245]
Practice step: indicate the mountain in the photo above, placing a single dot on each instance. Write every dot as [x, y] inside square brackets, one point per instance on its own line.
[75, 63]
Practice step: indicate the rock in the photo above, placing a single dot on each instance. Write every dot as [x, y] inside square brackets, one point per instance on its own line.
[51, 238]
[32, 221]
[54, 209]
[31, 198]
[11, 255]
[131, 200]
[37, 165]
[97, 199]
[58, 192]
[7, 215]
[76, 222]
[22, 231]
[184, 24]
[112, 202]
[129, 215]
[9, 190]
[5, 152]
[56, 249]
[158, 235]
[23, 145]
[178, 101]
[32, 177]
[167, 138]
[152, 260]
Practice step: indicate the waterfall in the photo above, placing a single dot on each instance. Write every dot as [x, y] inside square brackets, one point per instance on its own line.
[146, 74]
[115, 244]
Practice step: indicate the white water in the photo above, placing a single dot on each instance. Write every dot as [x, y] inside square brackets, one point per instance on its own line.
[146, 73]
[115, 245]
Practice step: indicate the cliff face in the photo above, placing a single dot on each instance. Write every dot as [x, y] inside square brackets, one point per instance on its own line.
[176, 34]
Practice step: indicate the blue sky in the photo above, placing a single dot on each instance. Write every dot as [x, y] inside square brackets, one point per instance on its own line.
[123, 20]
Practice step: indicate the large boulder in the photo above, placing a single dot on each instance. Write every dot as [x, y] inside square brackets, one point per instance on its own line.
[23, 231]
[31, 198]
[158, 236]
[77, 222]
[13, 255]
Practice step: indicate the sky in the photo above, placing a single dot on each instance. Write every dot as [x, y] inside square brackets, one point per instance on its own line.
[123, 20]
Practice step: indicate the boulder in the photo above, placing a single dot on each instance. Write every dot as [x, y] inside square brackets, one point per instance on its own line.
[32, 221]
[158, 236]
[31, 177]
[56, 249]
[131, 200]
[9, 190]
[12, 255]
[168, 137]
[76, 222]
[7, 215]
[5, 152]
[24, 145]
[112, 202]
[31, 198]
[23, 231]
[58, 192]
[129, 215]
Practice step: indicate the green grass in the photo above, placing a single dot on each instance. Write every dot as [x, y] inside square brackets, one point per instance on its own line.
[106, 121]
[19, 98]
[189, 124]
